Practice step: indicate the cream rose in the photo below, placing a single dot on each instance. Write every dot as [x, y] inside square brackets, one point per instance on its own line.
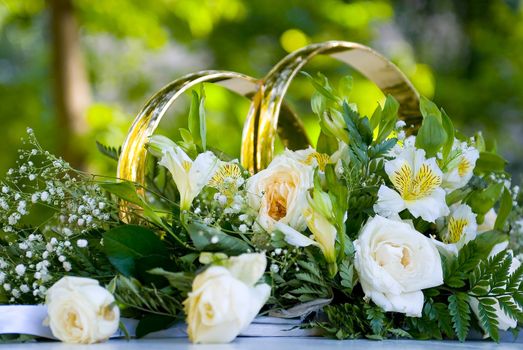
[279, 193]
[394, 263]
[224, 299]
[81, 311]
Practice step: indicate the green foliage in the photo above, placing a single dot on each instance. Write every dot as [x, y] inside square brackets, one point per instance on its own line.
[358, 319]
[111, 152]
[432, 135]
[348, 276]
[129, 192]
[310, 283]
[385, 119]
[197, 125]
[489, 162]
[459, 310]
[181, 281]
[481, 201]
[129, 247]
[157, 309]
[212, 239]
[505, 208]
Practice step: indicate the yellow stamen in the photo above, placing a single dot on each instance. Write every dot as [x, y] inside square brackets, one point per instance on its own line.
[415, 187]
[322, 159]
[456, 229]
[463, 166]
[226, 178]
[186, 165]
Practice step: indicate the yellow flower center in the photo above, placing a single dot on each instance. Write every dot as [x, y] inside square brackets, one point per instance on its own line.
[186, 165]
[456, 227]
[226, 178]
[463, 167]
[276, 197]
[322, 159]
[415, 186]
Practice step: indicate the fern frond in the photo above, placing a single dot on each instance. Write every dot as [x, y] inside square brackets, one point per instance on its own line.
[459, 310]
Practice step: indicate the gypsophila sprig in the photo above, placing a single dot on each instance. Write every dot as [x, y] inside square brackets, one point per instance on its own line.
[74, 207]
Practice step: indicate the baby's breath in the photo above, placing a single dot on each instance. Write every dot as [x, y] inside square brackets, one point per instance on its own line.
[73, 205]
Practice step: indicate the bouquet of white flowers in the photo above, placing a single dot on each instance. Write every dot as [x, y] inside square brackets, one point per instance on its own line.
[384, 229]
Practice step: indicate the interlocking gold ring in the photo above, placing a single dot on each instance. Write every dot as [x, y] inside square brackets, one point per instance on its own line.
[262, 121]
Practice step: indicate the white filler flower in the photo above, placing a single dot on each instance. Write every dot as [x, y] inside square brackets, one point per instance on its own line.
[394, 263]
[417, 187]
[190, 176]
[81, 311]
[224, 299]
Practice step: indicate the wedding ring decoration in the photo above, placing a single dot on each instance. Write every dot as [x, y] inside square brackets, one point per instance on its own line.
[267, 115]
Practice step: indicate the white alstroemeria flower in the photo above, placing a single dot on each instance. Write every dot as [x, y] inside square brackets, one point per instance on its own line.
[395, 263]
[457, 229]
[460, 169]
[189, 176]
[416, 182]
[309, 157]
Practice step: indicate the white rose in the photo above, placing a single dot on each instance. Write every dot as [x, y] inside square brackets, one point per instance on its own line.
[223, 302]
[81, 311]
[394, 263]
[279, 193]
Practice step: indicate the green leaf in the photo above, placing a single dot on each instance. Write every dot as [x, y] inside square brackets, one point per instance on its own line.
[365, 130]
[489, 162]
[326, 144]
[444, 319]
[429, 108]
[211, 239]
[481, 201]
[431, 136]
[347, 275]
[376, 318]
[345, 86]
[125, 190]
[449, 130]
[488, 317]
[505, 207]
[196, 121]
[389, 116]
[459, 310]
[125, 245]
[111, 152]
[154, 323]
[318, 103]
[376, 118]
[179, 280]
[382, 148]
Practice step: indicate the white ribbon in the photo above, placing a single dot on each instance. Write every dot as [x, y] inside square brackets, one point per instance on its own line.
[29, 319]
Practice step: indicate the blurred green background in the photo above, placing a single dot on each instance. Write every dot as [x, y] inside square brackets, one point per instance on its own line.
[77, 71]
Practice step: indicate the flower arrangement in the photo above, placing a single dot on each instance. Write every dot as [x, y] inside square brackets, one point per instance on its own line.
[373, 233]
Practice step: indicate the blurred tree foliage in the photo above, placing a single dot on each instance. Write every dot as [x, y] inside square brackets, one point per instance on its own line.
[465, 54]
